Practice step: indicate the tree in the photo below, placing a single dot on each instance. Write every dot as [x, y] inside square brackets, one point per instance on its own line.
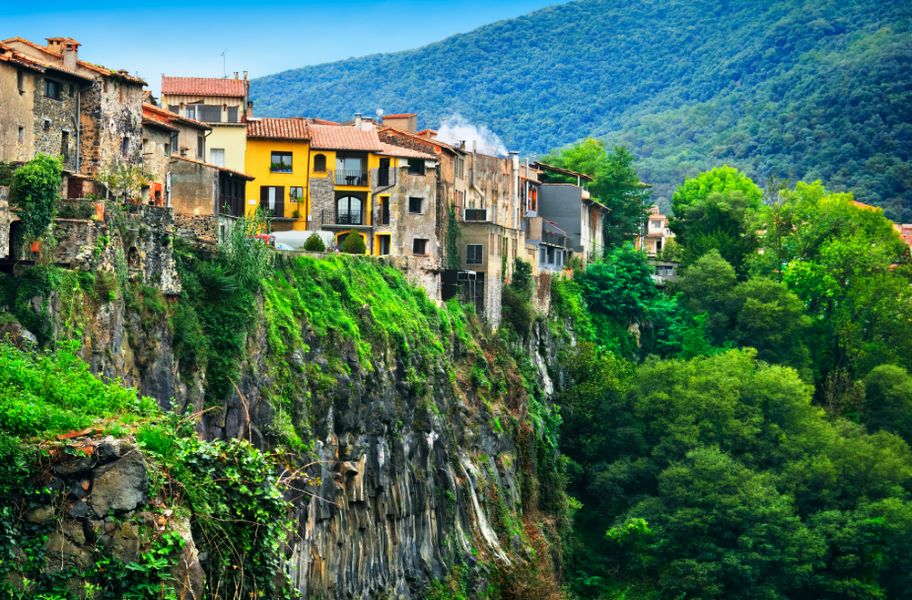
[35, 189]
[888, 401]
[707, 285]
[353, 244]
[124, 181]
[722, 179]
[620, 286]
[616, 184]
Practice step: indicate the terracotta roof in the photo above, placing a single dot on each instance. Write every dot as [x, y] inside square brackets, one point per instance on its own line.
[340, 137]
[203, 86]
[84, 64]
[399, 151]
[401, 116]
[279, 129]
[9, 55]
[152, 122]
[324, 122]
[150, 111]
[211, 166]
[420, 139]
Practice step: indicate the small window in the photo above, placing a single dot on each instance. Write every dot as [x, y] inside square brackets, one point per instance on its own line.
[200, 147]
[217, 156]
[281, 162]
[124, 146]
[474, 254]
[167, 148]
[47, 124]
[419, 247]
[460, 167]
[20, 81]
[320, 163]
[65, 145]
[174, 108]
[21, 134]
[52, 89]
[295, 193]
[232, 114]
[384, 241]
[416, 166]
[416, 205]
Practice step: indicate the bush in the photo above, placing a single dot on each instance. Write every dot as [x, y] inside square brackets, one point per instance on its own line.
[35, 188]
[353, 244]
[314, 244]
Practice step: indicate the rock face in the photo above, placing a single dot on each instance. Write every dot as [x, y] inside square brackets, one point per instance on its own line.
[418, 470]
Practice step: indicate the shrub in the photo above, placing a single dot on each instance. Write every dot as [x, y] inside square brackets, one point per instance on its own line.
[35, 188]
[314, 244]
[353, 244]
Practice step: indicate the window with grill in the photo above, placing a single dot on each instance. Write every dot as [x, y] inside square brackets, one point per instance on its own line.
[281, 162]
[474, 254]
[416, 205]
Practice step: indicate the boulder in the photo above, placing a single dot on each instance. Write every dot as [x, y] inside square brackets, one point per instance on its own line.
[120, 486]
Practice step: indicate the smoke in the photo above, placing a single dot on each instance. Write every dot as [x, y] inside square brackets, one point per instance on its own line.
[456, 128]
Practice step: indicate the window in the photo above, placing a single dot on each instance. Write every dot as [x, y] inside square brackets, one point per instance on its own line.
[281, 162]
[200, 146]
[125, 147]
[232, 114]
[174, 146]
[350, 169]
[20, 81]
[174, 108]
[419, 247]
[65, 145]
[272, 198]
[474, 254]
[383, 172]
[416, 166]
[384, 245]
[21, 134]
[416, 205]
[167, 148]
[52, 89]
[204, 112]
[384, 210]
[217, 156]
[348, 210]
[47, 124]
[460, 167]
[295, 193]
[320, 163]
[655, 224]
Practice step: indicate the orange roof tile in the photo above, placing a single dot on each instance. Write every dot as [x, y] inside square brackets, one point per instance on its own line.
[399, 151]
[150, 111]
[340, 137]
[82, 63]
[279, 129]
[400, 116]
[216, 167]
[418, 138]
[203, 86]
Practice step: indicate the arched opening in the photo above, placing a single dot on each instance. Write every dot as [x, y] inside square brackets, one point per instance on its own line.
[320, 163]
[349, 210]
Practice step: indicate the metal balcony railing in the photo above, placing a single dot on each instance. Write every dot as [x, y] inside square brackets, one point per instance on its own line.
[342, 218]
[358, 178]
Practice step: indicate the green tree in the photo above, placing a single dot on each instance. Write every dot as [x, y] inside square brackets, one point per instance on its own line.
[707, 286]
[34, 191]
[888, 401]
[620, 286]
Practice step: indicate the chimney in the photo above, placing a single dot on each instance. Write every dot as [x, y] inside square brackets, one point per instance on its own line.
[249, 113]
[358, 120]
[68, 48]
[235, 74]
[245, 75]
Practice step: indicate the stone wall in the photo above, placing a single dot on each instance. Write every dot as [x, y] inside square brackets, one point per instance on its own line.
[322, 201]
[111, 122]
[55, 119]
[200, 231]
[99, 505]
[194, 188]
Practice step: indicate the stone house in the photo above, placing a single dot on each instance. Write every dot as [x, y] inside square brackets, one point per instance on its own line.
[223, 105]
[206, 199]
[109, 105]
[657, 233]
[166, 135]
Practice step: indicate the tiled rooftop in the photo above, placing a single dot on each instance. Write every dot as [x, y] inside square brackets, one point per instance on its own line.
[203, 86]
[279, 129]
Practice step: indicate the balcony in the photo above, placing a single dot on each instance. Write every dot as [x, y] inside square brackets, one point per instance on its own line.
[352, 218]
[554, 238]
[355, 178]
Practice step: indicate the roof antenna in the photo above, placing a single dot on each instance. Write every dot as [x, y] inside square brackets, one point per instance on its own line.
[224, 69]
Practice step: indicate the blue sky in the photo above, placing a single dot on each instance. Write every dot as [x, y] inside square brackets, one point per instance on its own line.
[260, 36]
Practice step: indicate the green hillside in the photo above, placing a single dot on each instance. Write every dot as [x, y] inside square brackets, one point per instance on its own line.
[800, 89]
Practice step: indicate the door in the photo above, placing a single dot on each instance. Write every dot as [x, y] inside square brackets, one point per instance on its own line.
[383, 174]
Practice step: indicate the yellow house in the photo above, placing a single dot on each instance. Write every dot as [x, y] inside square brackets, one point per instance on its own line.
[220, 103]
[342, 179]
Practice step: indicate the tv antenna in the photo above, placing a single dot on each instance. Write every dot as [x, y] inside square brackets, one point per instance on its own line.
[224, 67]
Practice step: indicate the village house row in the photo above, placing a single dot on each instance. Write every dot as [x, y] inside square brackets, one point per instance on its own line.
[206, 156]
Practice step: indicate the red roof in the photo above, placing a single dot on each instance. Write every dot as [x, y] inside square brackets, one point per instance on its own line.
[203, 86]
[399, 151]
[216, 167]
[57, 56]
[401, 116]
[279, 129]
[433, 142]
[341, 137]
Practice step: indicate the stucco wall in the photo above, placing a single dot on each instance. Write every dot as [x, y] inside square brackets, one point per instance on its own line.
[16, 110]
[194, 188]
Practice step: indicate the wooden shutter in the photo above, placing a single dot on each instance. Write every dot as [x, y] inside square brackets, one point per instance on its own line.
[280, 201]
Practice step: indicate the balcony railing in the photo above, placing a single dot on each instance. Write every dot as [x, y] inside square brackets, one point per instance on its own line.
[358, 178]
[551, 237]
[342, 218]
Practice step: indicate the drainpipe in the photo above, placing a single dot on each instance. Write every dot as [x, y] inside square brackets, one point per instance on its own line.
[515, 163]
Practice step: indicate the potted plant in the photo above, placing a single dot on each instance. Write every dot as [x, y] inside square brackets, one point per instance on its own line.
[34, 191]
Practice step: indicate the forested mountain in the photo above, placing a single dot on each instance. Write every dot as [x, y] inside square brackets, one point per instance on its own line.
[799, 89]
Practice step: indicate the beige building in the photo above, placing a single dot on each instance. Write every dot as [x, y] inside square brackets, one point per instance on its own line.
[657, 233]
[220, 103]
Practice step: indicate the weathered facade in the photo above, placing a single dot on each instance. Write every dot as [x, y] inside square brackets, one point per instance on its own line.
[571, 208]
[164, 136]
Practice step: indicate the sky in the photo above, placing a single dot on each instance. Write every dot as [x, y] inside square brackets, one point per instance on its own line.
[259, 36]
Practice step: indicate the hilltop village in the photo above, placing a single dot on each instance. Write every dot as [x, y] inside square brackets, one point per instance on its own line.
[452, 217]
